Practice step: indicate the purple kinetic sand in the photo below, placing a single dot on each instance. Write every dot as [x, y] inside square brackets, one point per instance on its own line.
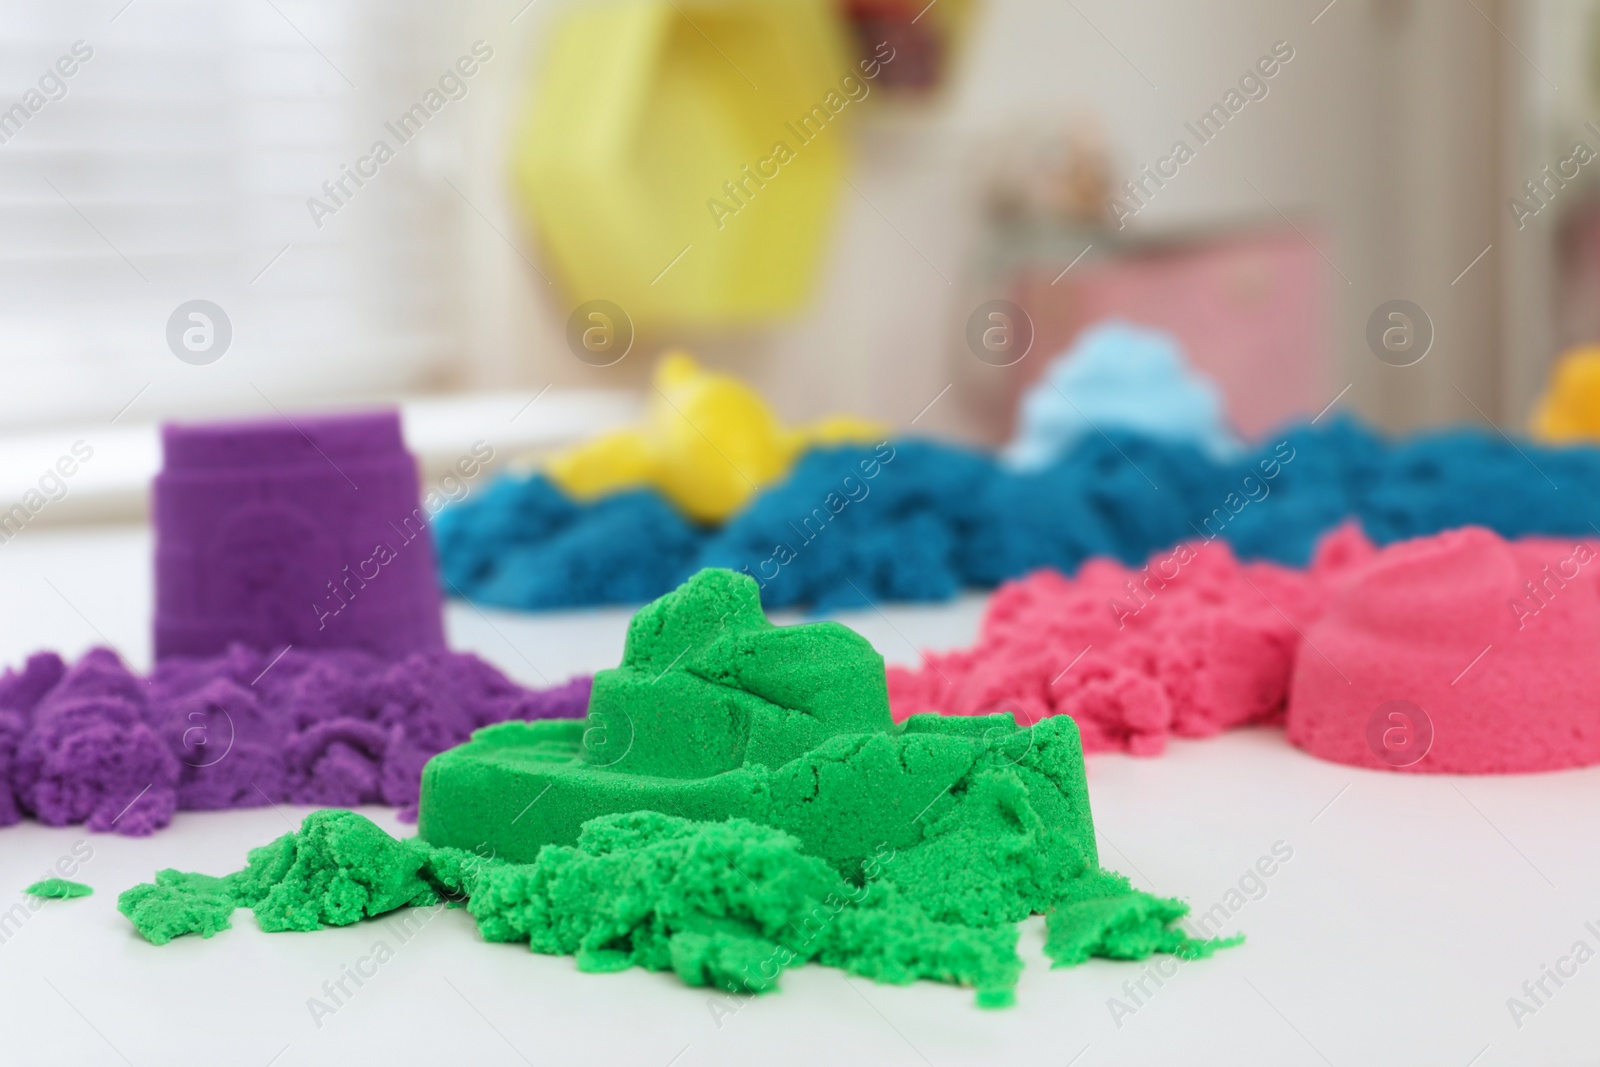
[303, 533]
[97, 744]
[299, 645]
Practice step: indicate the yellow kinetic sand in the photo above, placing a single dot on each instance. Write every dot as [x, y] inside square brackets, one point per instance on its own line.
[682, 158]
[707, 443]
[1570, 408]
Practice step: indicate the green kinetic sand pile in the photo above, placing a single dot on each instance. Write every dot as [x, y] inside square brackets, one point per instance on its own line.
[739, 801]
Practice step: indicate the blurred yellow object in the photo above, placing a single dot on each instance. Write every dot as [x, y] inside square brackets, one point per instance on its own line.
[681, 158]
[707, 442]
[1570, 408]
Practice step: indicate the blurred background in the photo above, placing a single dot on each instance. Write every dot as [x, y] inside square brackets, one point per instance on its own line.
[538, 156]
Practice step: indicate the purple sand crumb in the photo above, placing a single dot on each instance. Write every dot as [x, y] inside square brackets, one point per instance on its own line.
[95, 743]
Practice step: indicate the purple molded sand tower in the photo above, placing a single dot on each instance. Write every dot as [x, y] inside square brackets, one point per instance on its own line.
[308, 534]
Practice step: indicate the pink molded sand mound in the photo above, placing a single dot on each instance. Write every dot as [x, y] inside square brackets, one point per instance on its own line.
[1458, 653]
[1461, 653]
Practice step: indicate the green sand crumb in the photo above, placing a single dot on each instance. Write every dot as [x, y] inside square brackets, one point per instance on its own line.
[728, 905]
[176, 904]
[59, 889]
[1124, 924]
[339, 868]
[739, 801]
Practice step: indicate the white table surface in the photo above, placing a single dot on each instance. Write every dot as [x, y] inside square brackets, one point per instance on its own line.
[1412, 908]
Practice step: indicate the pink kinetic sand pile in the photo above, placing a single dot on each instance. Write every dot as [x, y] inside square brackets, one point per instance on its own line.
[1457, 654]
[1361, 650]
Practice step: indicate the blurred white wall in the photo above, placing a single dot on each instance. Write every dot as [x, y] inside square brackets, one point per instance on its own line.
[1388, 131]
[175, 162]
[190, 145]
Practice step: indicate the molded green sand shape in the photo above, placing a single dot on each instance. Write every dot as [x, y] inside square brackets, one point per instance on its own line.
[716, 713]
[738, 801]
